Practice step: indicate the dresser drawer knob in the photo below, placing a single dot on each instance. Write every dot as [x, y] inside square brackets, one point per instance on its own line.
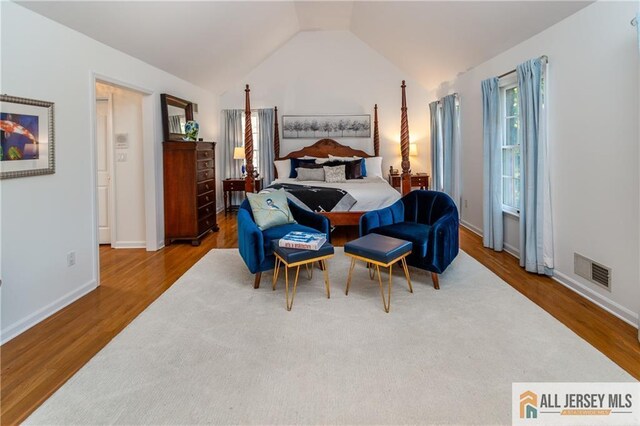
[206, 187]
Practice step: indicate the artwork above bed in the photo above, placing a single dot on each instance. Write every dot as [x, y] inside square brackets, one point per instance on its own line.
[326, 126]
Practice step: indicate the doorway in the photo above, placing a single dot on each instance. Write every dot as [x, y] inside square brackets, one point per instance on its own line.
[120, 167]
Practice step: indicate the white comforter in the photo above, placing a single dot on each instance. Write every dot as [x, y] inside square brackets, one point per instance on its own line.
[371, 193]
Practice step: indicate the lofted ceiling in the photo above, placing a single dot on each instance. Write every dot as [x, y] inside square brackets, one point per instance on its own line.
[214, 44]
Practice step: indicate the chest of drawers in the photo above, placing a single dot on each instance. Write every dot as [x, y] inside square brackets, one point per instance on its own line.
[189, 190]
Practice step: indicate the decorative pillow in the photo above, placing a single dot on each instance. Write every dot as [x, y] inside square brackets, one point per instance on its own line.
[334, 158]
[374, 166]
[363, 172]
[270, 209]
[295, 163]
[334, 174]
[315, 173]
[322, 160]
[309, 166]
[283, 167]
[353, 169]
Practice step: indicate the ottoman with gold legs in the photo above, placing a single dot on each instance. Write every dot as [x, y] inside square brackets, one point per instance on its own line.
[295, 258]
[379, 250]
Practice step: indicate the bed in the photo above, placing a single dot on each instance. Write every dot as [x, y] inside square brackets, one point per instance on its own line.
[370, 193]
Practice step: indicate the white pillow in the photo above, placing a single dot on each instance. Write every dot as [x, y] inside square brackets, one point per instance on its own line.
[334, 158]
[283, 167]
[322, 160]
[373, 166]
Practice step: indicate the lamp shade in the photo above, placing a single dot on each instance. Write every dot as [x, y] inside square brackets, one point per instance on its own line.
[238, 153]
[413, 149]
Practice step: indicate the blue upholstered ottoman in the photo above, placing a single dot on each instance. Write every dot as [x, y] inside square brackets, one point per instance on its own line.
[379, 250]
[295, 258]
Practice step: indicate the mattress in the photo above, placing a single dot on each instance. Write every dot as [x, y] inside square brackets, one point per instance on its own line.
[371, 193]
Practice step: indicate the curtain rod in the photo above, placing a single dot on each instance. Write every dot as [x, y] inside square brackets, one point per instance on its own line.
[544, 58]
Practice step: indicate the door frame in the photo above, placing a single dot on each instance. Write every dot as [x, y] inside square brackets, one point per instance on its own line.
[113, 224]
[152, 172]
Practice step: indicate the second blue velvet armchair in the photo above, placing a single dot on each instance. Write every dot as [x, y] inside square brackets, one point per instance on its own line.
[255, 245]
[429, 219]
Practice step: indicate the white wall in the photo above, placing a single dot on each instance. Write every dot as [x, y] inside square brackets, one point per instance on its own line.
[46, 217]
[593, 137]
[334, 72]
[128, 172]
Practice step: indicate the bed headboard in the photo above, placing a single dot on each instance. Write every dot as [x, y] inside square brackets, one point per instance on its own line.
[323, 148]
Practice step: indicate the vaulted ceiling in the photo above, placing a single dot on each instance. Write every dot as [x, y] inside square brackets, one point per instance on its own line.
[215, 44]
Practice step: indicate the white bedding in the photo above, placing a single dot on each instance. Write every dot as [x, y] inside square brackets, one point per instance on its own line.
[371, 193]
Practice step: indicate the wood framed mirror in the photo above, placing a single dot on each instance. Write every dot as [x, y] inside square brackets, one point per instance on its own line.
[175, 114]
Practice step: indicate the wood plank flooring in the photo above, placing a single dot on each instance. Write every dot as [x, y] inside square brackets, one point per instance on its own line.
[39, 361]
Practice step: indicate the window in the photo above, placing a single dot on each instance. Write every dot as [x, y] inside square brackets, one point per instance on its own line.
[254, 132]
[511, 157]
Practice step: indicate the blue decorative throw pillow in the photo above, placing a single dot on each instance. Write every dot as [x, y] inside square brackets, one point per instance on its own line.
[295, 163]
[364, 168]
[270, 209]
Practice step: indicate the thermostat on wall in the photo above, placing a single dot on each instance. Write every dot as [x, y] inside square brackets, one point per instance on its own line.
[122, 141]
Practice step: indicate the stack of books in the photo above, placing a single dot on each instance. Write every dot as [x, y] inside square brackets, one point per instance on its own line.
[303, 240]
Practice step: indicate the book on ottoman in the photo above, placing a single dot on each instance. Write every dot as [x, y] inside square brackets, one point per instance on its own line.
[303, 240]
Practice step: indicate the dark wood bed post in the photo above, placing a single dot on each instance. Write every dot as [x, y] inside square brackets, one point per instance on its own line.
[249, 185]
[276, 135]
[404, 144]
[376, 133]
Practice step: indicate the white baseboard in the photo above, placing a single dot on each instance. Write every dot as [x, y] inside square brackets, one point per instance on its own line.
[471, 227]
[129, 244]
[602, 301]
[24, 324]
[515, 252]
[582, 290]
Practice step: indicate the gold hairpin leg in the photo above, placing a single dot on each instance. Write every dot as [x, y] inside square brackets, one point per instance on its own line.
[372, 272]
[276, 269]
[309, 267]
[326, 279]
[385, 302]
[353, 262]
[406, 273]
[295, 286]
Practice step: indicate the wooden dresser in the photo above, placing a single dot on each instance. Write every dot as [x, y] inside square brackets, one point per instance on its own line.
[189, 190]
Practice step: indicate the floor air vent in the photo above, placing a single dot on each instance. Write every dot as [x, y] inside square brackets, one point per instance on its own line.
[591, 270]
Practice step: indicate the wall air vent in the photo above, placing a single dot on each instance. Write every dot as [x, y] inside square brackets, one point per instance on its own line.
[591, 270]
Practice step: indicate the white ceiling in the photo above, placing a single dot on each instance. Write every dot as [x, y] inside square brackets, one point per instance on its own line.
[215, 44]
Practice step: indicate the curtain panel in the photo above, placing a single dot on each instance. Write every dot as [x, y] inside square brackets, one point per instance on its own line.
[436, 146]
[265, 144]
[536, 228]
[451, 147]
[493, 235]
[232, 136]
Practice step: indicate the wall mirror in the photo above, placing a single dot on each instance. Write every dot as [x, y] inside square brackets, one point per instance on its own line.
[175, 114]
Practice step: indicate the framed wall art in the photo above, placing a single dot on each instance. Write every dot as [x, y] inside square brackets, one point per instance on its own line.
[26, 137]
[326, 126]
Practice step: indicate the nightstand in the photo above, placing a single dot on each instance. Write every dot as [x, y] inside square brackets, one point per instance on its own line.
[235, 185]
[420, 180]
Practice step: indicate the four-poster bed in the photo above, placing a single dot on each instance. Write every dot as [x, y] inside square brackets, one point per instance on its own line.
[325, 147]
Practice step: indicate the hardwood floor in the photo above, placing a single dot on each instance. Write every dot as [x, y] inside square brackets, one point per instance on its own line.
[39, 361]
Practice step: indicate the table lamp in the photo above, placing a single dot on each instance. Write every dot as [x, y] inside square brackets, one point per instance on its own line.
[413, 149]
[238, 154]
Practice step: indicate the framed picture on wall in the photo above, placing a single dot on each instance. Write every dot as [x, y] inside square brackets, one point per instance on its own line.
[26, 137]
[326, 126]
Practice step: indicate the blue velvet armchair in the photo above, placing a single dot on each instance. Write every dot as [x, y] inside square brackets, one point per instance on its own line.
[255, 245]
[429, 219]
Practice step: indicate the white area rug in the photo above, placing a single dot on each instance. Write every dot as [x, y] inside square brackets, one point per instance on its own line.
[212, 349]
